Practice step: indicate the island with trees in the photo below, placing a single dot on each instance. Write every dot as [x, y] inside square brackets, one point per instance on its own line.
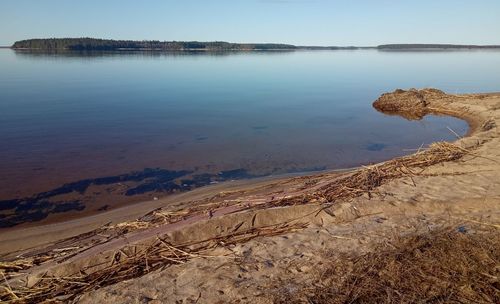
[397, 47]
[93, 44]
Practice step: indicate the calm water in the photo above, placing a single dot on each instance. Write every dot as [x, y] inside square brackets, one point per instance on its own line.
[69, 117]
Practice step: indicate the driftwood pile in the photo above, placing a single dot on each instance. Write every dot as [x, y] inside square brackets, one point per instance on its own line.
[348, 186]
[367, 179]
[162, 254]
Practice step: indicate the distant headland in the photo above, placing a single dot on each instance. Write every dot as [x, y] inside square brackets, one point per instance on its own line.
[433, 46]
[93, 44]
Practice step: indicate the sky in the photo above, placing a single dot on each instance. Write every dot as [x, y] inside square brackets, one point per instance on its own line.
[299, 22]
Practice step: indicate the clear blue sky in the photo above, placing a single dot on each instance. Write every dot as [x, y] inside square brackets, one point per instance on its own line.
[301, 22]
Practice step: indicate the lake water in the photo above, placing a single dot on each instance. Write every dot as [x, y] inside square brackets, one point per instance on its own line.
[77, 131]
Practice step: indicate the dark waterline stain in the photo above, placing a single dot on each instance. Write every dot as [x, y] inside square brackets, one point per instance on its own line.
[235, 174]
[160, 175]
[103, 208]
[260, 128]
[148, 181]
[41, 205]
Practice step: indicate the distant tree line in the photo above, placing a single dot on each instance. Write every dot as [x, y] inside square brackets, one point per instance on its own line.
[83, 44]
[434, 46]
[92, 44]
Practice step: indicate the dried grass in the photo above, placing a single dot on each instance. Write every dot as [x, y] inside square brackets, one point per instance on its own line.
[367, 179]
[16, 265]
[349, 186]
[362, 181]
[129, 263]
[442, 266]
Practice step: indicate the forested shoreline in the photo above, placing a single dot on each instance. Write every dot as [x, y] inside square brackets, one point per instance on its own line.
[81, 44]
[434, 46]
[93, 44]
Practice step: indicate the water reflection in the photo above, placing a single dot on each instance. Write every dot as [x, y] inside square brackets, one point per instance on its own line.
[73, 116]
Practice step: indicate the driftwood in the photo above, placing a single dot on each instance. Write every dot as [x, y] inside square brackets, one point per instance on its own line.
[162, 254]
[128, 264]
[367, 179]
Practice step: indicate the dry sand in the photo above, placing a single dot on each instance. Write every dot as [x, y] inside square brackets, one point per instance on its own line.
[463, 192]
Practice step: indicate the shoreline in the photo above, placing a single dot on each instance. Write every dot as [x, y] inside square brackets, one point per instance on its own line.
[460, 183]
[306, 49]
[131, 211]
[137, 202]
[87, 43]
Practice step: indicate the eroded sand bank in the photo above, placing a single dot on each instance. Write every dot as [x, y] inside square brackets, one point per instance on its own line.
[459, 187]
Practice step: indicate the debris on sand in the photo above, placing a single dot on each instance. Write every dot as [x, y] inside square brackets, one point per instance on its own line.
[367, 179]
[131, 262]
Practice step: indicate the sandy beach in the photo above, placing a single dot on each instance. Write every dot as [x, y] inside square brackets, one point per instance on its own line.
[245, 241]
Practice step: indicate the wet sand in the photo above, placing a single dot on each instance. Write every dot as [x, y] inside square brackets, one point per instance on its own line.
[31, 235]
